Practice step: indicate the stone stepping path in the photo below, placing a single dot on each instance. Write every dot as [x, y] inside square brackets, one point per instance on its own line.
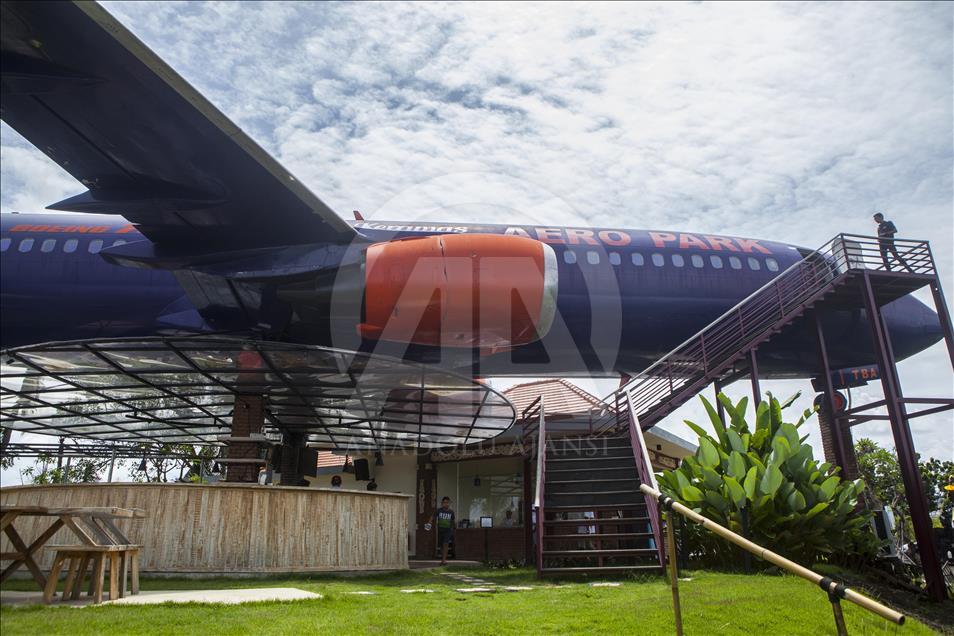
[605, 584]
[418, 591]
[363, 593]
[480, 585]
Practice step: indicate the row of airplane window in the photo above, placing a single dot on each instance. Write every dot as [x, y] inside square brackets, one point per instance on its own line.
[569, 256]
[678, 260]
[48, 245]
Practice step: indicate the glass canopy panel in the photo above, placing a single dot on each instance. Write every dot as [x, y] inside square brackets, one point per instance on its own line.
[183, 390]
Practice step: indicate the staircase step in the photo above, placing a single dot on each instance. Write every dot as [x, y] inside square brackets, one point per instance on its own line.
[599, 521]
[597, 458]
[618, 536]
[588, 453]
[593, 507]
[598, 553]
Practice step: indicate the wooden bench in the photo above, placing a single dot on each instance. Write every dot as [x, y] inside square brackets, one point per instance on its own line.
[121, 559]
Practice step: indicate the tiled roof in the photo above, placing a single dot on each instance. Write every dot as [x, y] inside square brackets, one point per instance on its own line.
[327, 459]
[561, 398]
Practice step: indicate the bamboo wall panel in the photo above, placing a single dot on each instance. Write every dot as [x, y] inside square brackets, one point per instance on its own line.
[198, 528]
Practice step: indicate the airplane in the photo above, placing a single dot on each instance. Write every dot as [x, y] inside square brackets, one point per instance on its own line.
[187, 226]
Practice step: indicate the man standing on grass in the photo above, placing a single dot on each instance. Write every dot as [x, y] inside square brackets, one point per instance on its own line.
[445, 528]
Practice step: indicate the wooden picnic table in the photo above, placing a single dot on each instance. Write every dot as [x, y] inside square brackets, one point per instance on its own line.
[94, 527]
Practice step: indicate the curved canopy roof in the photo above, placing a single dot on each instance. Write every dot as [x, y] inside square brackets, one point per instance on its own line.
[182, 389]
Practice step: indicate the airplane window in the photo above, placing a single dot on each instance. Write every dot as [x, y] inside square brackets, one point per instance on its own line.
[614, 258]
[716, 261]
[638, 259]
[95, 246]
[678, 260]
[658, 260]
[26, 245]
[735, 263]
[754, 264]
[48, 245]
[771, 264]
[593, 258]
[118, 242]
[697, 261]
[569, 257]
[4, 244]
[70, 246]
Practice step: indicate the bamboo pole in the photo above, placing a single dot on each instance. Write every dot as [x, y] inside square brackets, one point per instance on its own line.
[673, 571]
[833, 588]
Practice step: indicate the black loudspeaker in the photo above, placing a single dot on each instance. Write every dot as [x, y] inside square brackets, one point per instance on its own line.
[309, 462]
[362, 471]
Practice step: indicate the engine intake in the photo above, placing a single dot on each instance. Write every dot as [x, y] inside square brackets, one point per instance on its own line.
[460, 290]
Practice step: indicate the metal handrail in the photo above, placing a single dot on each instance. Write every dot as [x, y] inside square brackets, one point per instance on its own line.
[644, 469]
[541, 475]
[720, 343]
[835, 590]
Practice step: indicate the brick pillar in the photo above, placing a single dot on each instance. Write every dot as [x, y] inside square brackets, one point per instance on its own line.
[248, 416]
[830, 427]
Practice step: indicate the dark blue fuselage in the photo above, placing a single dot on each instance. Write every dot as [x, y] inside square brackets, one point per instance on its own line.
[625, 296]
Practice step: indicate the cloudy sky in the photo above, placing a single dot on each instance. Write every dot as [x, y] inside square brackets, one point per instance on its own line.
[785, 121]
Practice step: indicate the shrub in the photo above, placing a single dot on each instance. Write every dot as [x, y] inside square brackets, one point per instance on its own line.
[795, 506]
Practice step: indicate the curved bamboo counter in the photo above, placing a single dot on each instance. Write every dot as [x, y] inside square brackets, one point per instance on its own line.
[236, 528]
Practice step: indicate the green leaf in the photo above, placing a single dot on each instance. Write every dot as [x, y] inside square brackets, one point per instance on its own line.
[691, 493]
[796, 501]
[827, 489]
[781, 450]
[817, 508]
[698, 430]
[737, 465]
[736, 492]
[751, 480]
[771, 481]
[717, 424]
[711, 479]
[735, 441]
[707, 454]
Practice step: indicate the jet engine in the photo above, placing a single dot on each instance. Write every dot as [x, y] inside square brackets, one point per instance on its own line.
[459, 290]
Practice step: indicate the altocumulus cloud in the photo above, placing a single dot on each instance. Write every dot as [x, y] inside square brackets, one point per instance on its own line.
[787, 121]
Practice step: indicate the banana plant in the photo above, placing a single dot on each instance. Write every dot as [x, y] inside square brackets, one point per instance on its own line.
[795, 505]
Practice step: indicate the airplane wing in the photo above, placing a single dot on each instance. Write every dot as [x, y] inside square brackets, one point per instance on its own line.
[146, 144]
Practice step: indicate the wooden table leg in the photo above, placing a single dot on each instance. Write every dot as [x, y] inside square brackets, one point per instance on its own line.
[99, 572]
[38, 543]
[124, 567]
[71, 571]
[134, 583]
[49, 590]
[113, 576]
[27, 558]
[78, 585]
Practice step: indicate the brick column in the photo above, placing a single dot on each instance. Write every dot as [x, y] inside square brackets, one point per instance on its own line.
[829, 427]
[248, 416]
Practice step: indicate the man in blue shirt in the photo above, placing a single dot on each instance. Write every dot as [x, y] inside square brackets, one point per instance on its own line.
[886, 232]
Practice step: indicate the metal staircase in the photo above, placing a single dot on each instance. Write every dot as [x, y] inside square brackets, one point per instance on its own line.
[821, 278]
[590, 514]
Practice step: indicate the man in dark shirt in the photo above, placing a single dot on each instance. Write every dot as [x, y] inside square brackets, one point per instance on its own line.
[445, 528]
[886, 232]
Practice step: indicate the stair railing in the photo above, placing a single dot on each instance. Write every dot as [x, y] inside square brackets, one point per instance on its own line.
[644, 468]
[658, 389]
[541, 449]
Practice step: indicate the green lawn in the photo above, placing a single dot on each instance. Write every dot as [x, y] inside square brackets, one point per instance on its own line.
[712, 603]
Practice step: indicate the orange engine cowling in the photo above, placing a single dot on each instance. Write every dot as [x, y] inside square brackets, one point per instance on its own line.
[460, 290]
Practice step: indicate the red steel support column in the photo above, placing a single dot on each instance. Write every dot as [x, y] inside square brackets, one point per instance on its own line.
[754, 376]
[841, 455]
[945, 317]
[904, 446]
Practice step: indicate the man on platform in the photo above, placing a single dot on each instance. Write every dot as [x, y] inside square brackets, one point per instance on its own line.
[886, 232]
